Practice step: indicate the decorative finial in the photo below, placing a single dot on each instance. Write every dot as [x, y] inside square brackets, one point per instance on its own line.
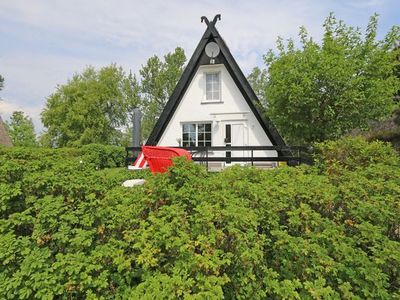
[204, 19]
[214, 21]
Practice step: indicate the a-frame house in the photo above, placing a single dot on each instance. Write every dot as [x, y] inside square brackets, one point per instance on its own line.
[213, 104]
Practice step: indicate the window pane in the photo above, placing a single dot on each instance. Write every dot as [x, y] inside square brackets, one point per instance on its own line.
[192, 137]
[213, 86]
[189, 128]
[207, 127]
[208, 136]
[208, 143]
[201, 136]
[208, 78]
[189, 135]
[201, 127]
[188, 143]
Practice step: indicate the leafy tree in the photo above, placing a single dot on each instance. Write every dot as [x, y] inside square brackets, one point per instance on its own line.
[21, 130]
[90, 107]
[319, 92]
[158, 80]
[397, 71]
[1, 82]
[258, 81]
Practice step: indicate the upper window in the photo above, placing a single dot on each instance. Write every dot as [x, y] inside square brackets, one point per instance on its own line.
[196, 134]
[213, 86]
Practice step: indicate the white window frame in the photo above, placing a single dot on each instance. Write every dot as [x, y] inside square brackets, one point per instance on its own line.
[197, 133]
[219, 99]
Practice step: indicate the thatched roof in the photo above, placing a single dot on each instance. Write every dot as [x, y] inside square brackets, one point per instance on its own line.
[4, 137]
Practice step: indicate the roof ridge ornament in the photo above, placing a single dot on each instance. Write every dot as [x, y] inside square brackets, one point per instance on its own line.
[213, 22]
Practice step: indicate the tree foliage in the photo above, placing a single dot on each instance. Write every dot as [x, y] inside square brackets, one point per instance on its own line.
[93, 105]
[318, 92]
[90, 107]
[1, 82]
[329, 231]
[258, 80]
[21, 130]
[158, 80]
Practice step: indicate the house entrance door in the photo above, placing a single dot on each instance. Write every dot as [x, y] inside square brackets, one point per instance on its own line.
[235, 135]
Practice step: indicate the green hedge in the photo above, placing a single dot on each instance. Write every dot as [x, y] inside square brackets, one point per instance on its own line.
[329, 231]
[95, 155]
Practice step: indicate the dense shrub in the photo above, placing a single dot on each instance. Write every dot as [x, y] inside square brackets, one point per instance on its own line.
[69, 231]
[103, 156]
[95, 155]
[354, 152]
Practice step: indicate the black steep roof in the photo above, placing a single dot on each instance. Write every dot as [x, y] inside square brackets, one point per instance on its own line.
[225, 57]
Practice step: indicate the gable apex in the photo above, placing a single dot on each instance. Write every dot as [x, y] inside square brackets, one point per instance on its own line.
[200, 58]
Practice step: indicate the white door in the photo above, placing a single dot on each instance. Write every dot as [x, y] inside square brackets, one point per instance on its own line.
[235, 135]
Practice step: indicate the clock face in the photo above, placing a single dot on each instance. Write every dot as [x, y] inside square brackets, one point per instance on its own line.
[212, 50]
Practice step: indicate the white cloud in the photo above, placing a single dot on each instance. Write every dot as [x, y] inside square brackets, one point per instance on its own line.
[366, 3]
[7, 107]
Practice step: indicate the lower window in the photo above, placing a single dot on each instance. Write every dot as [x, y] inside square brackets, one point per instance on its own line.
[196, 134]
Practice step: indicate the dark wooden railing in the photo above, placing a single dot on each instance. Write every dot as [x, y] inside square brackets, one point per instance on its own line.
[292, 155]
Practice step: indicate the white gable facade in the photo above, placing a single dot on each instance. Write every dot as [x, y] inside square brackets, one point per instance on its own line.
[231, 109]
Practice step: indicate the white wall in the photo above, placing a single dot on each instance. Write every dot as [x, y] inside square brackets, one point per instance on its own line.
[232, 109]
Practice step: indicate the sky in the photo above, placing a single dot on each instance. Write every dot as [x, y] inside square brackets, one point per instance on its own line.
[45, 42]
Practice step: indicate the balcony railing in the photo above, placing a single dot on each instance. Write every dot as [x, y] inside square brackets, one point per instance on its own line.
[292, 155]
